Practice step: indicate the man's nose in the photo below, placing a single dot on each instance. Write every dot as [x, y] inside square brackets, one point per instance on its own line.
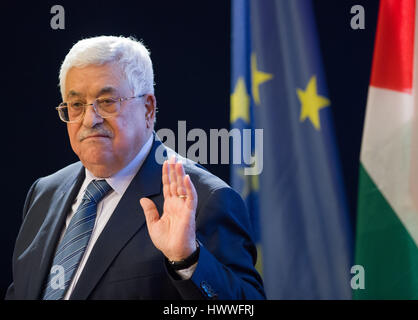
[91, 118]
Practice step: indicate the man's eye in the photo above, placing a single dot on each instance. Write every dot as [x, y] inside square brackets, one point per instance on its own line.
[107, 101]
[77, 105]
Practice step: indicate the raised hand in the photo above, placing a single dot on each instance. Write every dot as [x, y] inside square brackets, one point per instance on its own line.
[174, 234]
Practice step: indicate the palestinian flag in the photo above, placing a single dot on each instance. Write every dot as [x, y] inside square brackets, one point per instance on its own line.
[387, 223]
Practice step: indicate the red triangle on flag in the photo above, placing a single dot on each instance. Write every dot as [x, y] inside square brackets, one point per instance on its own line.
[394, 47]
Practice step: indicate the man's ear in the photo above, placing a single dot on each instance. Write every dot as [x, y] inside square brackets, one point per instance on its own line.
[150, 107]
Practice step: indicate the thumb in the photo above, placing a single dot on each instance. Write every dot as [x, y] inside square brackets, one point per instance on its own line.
[150, 211]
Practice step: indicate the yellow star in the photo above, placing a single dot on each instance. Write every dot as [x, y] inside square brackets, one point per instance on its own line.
[258, 77]
[251, 182]
[259, 263]
[247, 188]
[240, 102]
[311, 103]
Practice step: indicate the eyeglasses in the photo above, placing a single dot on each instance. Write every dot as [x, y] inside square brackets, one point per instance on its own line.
[74, 111]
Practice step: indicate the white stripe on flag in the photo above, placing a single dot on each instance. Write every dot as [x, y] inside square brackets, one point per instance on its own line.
[386, 152]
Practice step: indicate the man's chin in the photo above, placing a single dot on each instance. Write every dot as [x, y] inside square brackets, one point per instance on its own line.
[99, 164]
[99, 171]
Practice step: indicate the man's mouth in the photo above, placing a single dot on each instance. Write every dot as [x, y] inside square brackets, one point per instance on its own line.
[96, 136]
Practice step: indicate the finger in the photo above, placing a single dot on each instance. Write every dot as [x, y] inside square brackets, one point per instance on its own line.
[181, 189]
[173, 176]
[150, 211]
[166, 181]
[190, 192]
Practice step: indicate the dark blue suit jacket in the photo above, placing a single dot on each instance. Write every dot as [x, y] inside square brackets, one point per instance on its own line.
[124, 263]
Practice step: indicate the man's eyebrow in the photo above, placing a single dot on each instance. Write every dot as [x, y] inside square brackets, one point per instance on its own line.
[73, 93]
[107, 90]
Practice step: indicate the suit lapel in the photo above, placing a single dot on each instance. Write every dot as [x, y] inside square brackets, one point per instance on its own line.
[50, 232]
[125, 221]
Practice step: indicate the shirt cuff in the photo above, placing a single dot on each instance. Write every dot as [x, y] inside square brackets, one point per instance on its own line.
[186, 274]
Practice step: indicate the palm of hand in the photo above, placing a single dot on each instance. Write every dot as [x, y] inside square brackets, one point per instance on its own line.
[174, 233]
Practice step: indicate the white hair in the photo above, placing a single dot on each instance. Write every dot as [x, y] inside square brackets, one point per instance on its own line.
[129, 53]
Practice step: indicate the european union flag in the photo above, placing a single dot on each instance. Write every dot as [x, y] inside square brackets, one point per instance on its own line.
[297, 203]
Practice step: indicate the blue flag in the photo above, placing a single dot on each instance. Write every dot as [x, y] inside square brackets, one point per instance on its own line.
[297, 202]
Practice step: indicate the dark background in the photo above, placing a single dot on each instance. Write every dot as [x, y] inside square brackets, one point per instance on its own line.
[190, 49]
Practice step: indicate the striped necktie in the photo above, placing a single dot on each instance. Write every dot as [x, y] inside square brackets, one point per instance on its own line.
[73, 244]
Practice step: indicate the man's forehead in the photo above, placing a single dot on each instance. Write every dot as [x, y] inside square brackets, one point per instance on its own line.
[95, 80]
[108, 89]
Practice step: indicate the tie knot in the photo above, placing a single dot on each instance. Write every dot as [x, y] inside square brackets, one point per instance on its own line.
[97, 190]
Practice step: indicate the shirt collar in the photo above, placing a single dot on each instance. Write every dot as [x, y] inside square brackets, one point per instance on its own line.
[121, 180]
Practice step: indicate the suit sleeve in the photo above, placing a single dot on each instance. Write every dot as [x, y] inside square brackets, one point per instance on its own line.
[225, 268]
[10, 294]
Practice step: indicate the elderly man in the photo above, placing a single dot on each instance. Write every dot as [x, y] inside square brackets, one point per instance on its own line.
[84, 236]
